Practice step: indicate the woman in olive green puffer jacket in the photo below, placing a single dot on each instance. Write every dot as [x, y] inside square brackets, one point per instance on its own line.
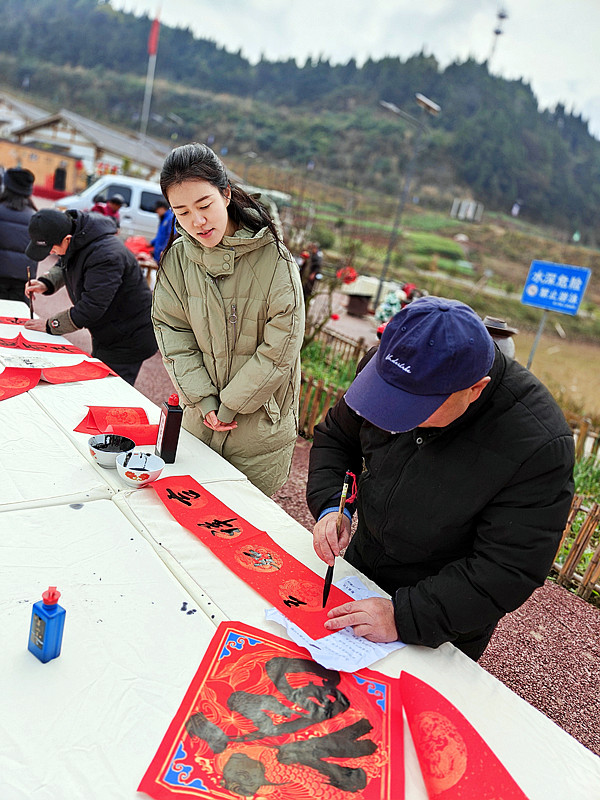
[229, 319]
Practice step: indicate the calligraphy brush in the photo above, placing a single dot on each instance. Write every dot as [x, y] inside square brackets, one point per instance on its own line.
[30, 296]
[338, 527]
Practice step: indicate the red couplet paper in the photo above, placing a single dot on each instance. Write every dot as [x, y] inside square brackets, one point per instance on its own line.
[454, 759]
[21, 343]
[262, 720]
[290, 586]
[128, 421]
[84, 371]
[140, 434]
[17, 380]
[13, 320]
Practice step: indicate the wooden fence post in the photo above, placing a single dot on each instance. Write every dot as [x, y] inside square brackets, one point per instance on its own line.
[587, 530]
[307, 389]
[584, 430]
[575, 507]
[591, 576]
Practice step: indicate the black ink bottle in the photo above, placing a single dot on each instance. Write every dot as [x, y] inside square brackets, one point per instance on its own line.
[47, 625]
[171, 414]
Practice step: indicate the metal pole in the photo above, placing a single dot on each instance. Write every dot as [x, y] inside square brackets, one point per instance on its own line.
[147, 95]
[538, 336]
[401, 203]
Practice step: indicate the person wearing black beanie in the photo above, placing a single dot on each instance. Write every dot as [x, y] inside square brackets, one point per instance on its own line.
[16, 210]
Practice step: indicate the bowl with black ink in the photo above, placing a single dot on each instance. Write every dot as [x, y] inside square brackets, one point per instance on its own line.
[138, 467]
[105, 447]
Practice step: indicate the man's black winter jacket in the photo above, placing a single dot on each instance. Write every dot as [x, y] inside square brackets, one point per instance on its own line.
[459, 524]
[109, 293]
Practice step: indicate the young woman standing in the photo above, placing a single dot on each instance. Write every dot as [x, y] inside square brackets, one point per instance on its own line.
[229, 318]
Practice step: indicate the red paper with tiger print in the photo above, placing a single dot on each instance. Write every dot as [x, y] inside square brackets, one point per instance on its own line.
[262, 720]
[290, 586]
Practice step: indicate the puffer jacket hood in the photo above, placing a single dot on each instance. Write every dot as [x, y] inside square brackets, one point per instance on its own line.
[89, 228]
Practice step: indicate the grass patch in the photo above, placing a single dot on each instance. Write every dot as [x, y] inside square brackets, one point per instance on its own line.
[318, 361]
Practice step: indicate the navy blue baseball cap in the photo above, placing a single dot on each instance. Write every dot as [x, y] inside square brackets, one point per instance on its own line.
[429, 350]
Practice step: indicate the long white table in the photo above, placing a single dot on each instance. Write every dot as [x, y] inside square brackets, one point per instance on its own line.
[125, 568]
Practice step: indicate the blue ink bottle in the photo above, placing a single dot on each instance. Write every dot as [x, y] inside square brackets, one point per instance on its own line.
[47, 624]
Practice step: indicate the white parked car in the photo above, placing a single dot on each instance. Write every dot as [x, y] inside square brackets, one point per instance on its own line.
[137, 216]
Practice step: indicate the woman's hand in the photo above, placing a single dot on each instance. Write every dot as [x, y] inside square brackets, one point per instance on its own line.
[214, 423]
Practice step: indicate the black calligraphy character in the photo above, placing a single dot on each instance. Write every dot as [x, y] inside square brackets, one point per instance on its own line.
[319, 700]
[293, 601]
[183, 496]
[221, 526]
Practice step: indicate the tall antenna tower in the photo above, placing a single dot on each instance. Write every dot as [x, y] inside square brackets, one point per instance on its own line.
[498, 31]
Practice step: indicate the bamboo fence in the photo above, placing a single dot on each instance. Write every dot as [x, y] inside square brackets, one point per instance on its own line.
[577, 560]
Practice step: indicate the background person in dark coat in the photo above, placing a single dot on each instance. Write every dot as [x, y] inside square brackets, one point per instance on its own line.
[16, 210]
[105, 284]
[466, 487]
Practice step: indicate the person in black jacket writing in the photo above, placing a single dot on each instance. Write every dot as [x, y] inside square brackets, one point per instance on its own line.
[105, 284]
[466, 480]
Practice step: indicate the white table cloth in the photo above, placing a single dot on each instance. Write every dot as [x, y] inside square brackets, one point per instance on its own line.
[39, 464]
[87, 724]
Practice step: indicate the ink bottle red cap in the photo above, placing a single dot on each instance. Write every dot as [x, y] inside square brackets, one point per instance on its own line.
[51, 596]
[169, 426]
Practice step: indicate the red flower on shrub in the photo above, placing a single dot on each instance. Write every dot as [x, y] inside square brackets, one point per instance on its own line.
[347, 274]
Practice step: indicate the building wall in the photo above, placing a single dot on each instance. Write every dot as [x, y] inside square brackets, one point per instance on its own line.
[43, 164]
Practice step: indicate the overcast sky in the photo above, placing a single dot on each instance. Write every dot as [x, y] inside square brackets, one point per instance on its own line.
[554, 45]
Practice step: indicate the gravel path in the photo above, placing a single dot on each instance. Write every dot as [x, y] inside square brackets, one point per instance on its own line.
[548, 651]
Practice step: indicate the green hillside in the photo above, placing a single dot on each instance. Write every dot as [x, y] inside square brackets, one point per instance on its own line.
[490, 141]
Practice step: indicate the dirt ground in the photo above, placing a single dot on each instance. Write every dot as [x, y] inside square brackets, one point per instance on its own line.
[548, 651]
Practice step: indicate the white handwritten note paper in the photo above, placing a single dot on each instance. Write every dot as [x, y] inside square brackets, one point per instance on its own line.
[12, 359]
[342, 650]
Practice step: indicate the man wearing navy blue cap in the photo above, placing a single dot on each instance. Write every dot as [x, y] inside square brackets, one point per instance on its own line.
[465, 466]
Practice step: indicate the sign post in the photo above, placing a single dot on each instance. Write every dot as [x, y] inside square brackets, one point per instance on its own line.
[554, 287]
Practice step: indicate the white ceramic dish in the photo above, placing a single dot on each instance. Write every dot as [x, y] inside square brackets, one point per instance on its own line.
[105, 447]
[141, 468]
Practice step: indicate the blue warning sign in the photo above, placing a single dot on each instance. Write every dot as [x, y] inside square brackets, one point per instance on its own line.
[555, 287]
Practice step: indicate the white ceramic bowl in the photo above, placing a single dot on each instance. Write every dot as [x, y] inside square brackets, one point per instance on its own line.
[142, 467]
[105, 447]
